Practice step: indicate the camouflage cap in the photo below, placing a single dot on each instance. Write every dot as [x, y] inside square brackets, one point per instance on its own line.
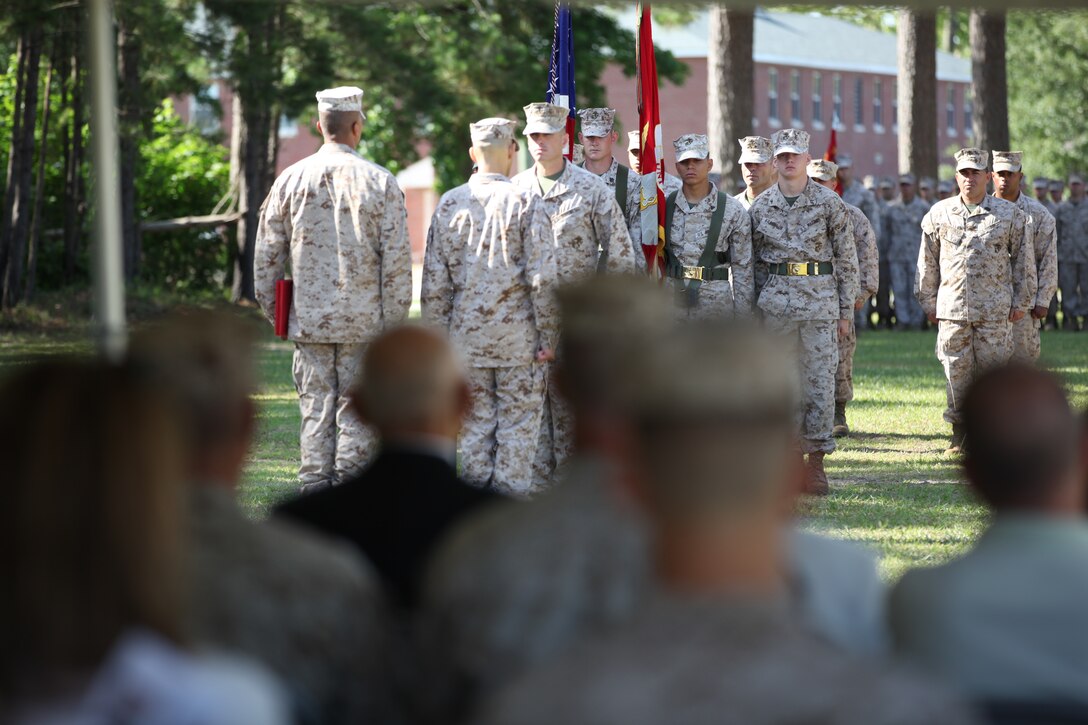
[886, 183]
[972, 158]
[790, 141]
[755, 150]
[342, 98]
[1008, 160]
[907, 178]
[1075, 179]
[1041, 183]
[597, 121]
[945, 187]
[634, 141]
[822, 169]
[692, 146]
[845, 161]
[1057, 185]
[579, 154]
[488, 131]
[925, 183]
[545, 118]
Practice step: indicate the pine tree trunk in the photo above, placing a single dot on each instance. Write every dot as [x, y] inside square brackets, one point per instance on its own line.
[989, 80]
[39, 190]
[730, 87]
[129, 118]
[24, 144]
[74, 206]
[917, 46]
[14, 160]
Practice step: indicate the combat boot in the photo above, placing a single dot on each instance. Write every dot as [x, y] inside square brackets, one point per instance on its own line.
[959, 440]
[815, 479]
[841, 429]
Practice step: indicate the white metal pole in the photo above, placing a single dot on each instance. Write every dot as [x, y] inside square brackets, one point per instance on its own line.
[109, 279]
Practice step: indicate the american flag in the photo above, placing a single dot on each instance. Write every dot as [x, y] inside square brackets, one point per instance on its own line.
[561, 72]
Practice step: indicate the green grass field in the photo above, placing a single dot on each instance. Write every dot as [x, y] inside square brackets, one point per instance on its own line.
[893, 487]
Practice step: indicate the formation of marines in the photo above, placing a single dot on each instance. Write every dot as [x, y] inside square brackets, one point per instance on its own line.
[787, 250]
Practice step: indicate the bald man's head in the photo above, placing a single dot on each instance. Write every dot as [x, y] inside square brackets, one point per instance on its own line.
[411, 385]
[1022, 441]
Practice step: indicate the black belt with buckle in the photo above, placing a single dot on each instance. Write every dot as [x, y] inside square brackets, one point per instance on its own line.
[801, 269]
[701, 274]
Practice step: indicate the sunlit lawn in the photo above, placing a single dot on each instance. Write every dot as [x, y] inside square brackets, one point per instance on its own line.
[893, 487]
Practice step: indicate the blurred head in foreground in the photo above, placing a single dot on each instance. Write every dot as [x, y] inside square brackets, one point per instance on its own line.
[1024, 448]
[90, 527]
[606, 323]
[711, 407]
[205, 360]
[411, 386]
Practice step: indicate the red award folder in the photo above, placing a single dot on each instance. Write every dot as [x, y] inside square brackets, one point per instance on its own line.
[284, 291]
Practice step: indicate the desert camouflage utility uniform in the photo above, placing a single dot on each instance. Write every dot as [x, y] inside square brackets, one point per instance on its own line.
[868, 271]
[489, 279]
[727, 287]
[590, 237]
[814, 231]
[1040, 230]
[903, 231]
[973, 269]
[340, 222]
[631, 209]
[1072, 223]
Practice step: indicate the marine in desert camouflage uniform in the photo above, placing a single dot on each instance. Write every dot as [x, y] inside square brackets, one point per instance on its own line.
[975, 277]
[903, 230]
[801, 231]
[488, 280]
[598, 136]
[671, 183]
[1040, 236]
[1072, 218]
[590, 236]
[824, 173]
[855, 193]
[341, 222]
[712, 278]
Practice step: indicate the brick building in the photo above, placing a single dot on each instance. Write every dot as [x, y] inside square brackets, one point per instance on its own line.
[809, 70]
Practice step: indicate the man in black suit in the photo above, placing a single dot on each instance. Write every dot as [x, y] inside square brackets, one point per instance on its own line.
[414, 394]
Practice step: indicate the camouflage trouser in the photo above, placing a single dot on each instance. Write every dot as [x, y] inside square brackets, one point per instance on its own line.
[818, 352]
[844, 373]
[966, 349]
[335, 443]
[907, 309]
[1026, 344]
[499, 438]
[556, 441]
[1073, 282]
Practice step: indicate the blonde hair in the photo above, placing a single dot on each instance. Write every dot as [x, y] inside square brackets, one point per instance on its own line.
[91, 524]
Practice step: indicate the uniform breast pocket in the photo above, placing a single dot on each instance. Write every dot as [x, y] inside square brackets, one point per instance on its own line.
[770, 230]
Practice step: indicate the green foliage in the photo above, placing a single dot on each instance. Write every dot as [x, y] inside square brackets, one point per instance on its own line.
[182, 173]
[1047, 67]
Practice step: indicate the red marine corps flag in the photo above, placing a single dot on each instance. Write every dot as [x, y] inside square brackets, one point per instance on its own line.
[651, 156]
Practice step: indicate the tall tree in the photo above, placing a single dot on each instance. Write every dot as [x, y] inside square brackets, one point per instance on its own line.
[730, 85]
[989, 80]
[35, 233]
[917, 49]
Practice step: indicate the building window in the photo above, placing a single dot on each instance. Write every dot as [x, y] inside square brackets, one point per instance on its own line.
[772, 96]
[950, 111]
[968, 112]
[206, 111]
[878, 104]
[795, 98]
[288, 127]
[817, 100]
[895, 106]
[836, 87]
[859, 113]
